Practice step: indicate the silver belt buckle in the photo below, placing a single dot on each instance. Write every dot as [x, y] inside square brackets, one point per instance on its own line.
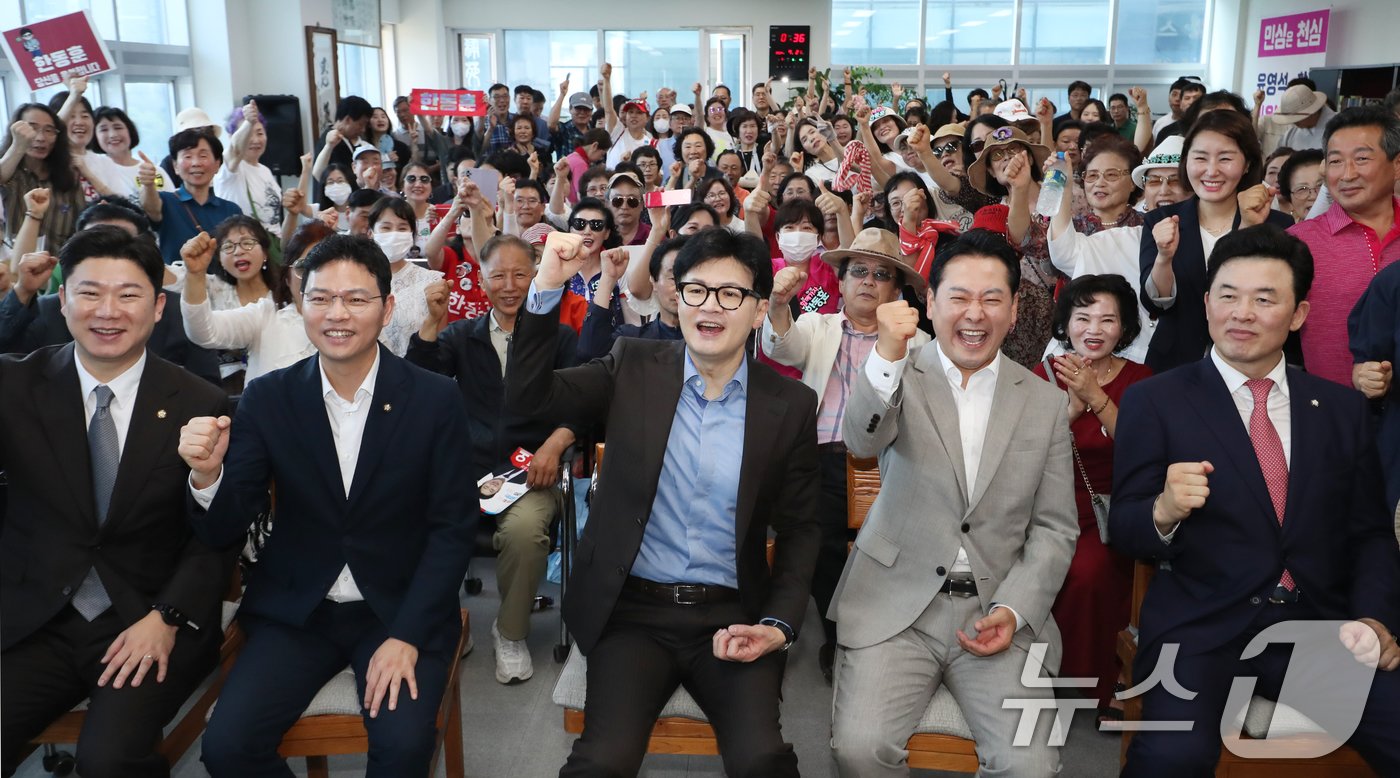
[679, 591]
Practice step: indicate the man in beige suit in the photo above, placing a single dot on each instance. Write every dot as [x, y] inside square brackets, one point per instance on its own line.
[956, 567]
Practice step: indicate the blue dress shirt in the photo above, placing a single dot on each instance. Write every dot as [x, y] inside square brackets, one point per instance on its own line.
[182, 218]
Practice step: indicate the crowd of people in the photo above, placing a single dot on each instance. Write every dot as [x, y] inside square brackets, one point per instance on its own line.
[1071, 339]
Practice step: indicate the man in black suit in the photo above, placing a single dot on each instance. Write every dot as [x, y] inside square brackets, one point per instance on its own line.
[106, 594]
[706, 450]
[475, 353]
[29, 320]
[1257, 488]
[372, 539]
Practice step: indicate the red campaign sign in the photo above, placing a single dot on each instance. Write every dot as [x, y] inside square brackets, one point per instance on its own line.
[49, 52]
[447, 102]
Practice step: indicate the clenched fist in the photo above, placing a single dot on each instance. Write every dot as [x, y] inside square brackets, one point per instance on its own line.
[1372, 379]
[1186, 489]
[614, 266]
[563, 257]
[786, 283]
[35, 270]
[436, 295]
[203, 443]
[897, 322]
[757, 201]
[1254, 204]
[198, 252]
[1167, 234]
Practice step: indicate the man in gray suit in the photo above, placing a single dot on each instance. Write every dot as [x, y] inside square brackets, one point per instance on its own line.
[968, 542]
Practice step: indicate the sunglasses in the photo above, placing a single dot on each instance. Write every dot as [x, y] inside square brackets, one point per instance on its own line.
[861, 271]
[417, 179]
[580, 223]
[978, 145]
[948, 148]
[618, 201]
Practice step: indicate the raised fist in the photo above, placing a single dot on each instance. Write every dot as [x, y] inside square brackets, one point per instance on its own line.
[614, 263]
[333, 137]
[1186, 489]
[36, 201]
[436, 295]
[198, 252]
[564, 255]
[203, 443]
[1255, 203]
[897, 322]
[757, 201]
[786, 283]
[35, 270]
[1167, 234]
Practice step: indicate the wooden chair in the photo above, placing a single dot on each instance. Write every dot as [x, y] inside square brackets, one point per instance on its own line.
[333, 723]
[942, 741]
[1345, 762]
[187, 728]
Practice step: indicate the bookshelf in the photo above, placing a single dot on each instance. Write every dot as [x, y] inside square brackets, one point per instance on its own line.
[1362, 85]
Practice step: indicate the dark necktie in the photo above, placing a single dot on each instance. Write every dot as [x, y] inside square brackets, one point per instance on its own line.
[1269, 448]
[91, 599]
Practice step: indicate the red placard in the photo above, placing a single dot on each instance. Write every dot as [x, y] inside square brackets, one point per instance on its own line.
[447, 102]
[47, 53]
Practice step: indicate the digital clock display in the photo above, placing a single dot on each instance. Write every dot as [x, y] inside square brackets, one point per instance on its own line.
[789, 51]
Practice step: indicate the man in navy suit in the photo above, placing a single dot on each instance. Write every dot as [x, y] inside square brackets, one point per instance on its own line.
[372, 534]
[1257, 488]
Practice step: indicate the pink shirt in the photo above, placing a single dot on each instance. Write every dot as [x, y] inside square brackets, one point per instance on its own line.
[578, 165]
[1346, 255]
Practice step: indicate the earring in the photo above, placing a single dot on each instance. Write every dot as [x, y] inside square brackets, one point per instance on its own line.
[264, 267]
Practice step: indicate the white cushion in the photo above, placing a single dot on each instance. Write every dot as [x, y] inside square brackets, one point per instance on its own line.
[942, 716]
[571, 690]
[340, 696]
[1266, 718]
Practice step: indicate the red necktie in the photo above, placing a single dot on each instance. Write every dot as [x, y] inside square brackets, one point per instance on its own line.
[1269, 449]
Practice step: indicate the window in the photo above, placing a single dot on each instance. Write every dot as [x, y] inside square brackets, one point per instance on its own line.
[1161, 31]
[478, 61]
[875, 32]
[153, 21]
[543, 58]
[647, 60]
[359, 72]
[151, 106]
[1064, 32]
[969, 33]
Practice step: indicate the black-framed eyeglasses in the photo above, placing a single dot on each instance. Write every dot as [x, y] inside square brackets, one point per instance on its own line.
[580, 223]
[355, 302]
[951, 147]
[417, 179]
[247, 244]
[861, 271]
[694, 294]
[618, 201]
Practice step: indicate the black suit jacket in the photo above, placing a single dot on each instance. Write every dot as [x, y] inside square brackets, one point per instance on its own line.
[1182, 335]
[24, 328]
[463, 351]
[636, 388]
[403, 528]
[1337, 537]
[144, 552]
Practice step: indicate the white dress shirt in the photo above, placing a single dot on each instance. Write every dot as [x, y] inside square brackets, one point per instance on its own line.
[974, 409]
[500, 341]
[123, 388]
[347, 421]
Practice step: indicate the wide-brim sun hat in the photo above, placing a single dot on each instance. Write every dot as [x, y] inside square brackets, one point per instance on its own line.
[880, 245]
[1298, 103]
[1167, 154]
[1003, 136]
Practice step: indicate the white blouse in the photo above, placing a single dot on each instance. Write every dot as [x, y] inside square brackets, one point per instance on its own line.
[274, 337]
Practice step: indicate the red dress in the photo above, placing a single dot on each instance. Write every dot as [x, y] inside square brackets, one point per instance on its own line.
[1096, 598]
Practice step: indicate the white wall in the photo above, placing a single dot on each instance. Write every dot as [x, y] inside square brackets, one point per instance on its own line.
[1360, 32]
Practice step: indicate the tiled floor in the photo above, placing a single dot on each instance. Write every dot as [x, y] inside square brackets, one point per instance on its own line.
[517, 732]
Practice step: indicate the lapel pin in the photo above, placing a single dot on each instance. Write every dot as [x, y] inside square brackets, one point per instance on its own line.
[1315, 404]
[388, 407]
[160, 414]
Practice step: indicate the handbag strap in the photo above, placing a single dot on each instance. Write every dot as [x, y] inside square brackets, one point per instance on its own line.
[1079, 461]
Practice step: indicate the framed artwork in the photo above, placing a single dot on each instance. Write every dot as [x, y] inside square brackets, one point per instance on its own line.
[322, 70]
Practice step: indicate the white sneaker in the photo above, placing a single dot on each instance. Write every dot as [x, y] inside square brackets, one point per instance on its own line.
[512, 659]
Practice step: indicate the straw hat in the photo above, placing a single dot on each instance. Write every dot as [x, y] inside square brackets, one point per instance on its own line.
[1003, 136]
[1298, 103]
[196, 119]
[882, 246]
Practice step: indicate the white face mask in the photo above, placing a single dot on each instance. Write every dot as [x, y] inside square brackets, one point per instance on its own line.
[662, 125]
[797, 246]
[394, 244]
[460, 129]
[338, 192]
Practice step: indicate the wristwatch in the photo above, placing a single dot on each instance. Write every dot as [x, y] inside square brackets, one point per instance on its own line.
[781, 627]
[173, 616]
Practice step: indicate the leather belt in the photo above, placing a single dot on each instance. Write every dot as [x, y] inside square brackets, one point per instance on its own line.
[681, 594]
[834, 447]
[959, 587]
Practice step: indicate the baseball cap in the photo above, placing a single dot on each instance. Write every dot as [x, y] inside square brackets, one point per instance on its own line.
[580, 100]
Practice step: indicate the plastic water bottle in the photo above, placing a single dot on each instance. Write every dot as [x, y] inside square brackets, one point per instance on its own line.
[1052, 189]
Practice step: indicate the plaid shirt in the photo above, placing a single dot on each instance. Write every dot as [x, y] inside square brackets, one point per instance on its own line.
[850, 359]
[567, 138]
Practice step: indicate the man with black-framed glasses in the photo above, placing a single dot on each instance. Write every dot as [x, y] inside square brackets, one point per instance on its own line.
[707, 449]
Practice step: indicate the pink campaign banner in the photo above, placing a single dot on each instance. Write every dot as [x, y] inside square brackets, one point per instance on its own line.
[1285, 36]
[46, 53]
